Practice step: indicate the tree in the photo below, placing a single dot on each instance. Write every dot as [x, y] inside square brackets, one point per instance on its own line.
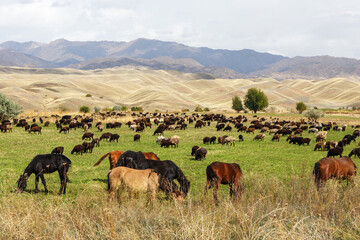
[198, 109]
[300, 107]
[237, 104]
[206, 109]
[8, 108]
[256, 100]
[84, 109]
[314, 114]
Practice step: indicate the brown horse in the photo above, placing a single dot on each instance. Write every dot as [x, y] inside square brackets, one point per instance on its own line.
[223, 173]
[115, 155]
[338, 168]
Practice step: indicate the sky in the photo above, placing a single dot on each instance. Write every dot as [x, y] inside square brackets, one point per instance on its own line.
[286, 27]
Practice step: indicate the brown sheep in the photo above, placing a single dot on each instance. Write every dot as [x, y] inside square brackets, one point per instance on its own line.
[137, 137]
[260, 136]
[276, 137]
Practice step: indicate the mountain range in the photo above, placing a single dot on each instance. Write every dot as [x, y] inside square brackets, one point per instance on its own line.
[161, 55]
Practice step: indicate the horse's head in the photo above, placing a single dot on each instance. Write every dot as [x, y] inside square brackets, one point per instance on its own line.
[22, 182]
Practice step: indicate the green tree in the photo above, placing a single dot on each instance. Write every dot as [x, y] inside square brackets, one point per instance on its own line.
[300, 107]
[84, 109]
[313, 114]
[8, 108]
[237, 104]
[256, 100]
[206, 109]
[124, 108]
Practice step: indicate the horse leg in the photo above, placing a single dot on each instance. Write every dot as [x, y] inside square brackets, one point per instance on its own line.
[44, 183]
[216, 187]
[207, 187]
[237, 188]
[36, 184]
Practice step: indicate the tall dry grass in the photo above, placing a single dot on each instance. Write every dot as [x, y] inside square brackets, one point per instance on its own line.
[268, 209]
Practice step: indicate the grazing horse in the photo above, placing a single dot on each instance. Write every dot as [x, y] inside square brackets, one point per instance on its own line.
[223, 173]
[167, 169]
[45, 163]
[115, 155]
[135, 180]
[339, 168]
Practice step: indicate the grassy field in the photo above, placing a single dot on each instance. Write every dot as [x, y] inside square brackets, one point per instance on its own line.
[279, 200]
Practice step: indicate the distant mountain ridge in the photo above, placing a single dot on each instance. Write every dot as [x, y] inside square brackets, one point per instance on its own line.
[156, 54]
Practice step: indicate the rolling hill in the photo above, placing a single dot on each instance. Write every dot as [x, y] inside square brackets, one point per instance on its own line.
[55, 89]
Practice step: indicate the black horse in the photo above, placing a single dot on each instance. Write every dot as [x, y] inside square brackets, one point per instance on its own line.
[45, 163]
[167, 169]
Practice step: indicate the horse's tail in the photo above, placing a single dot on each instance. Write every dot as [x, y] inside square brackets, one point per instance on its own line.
[210, 174]
[102, 158]
[316, 171]
[109, 183]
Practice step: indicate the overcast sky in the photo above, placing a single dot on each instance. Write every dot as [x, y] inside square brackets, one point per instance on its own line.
[286, 27]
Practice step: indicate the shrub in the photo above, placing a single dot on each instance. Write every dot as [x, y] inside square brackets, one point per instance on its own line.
[88, 95]
[124, 108]
[137, 109]
[185, 110]
[116, 108]
[96, 109]
[198, 109]
[8, 108]
[313, 114]
[84, 109]
[206, 109]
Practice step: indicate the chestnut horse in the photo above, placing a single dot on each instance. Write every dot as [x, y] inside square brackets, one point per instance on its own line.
[223, 173]
[338, 168]
[115, 155]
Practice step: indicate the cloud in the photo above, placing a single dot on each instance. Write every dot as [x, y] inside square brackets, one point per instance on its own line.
[290, 27]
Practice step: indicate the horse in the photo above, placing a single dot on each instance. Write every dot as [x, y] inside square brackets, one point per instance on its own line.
[45, 163]
[223, 173]
[168, 169]
[135, 180]
[339, 168]
[115, 155]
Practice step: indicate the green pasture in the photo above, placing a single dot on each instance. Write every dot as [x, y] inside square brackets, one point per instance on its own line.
[265, 159]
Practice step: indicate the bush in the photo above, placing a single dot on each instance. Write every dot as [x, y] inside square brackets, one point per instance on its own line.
[88, 95]
[206, 109]
[300, 107]
[84, 109]
[314, 114]
[124, 108]
[185, 110]
[96, 109]
[116, 108]
[137, 109]
[198, 109]
[8, 108]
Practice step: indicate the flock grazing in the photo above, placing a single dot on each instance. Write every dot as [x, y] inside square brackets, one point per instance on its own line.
[145, 172]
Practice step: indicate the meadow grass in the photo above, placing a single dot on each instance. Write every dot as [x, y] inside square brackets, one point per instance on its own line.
[279, 199]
